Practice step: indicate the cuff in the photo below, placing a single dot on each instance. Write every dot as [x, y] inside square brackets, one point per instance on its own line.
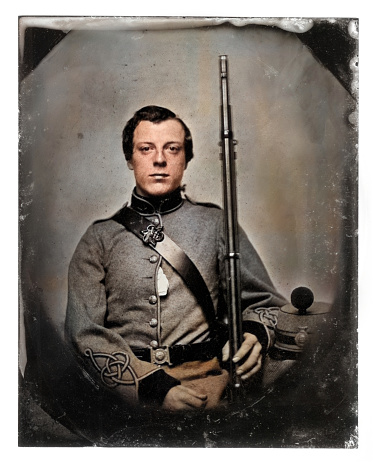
[261, 322]
[154, 387]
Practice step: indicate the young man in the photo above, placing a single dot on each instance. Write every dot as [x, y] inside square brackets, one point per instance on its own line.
[144, 327]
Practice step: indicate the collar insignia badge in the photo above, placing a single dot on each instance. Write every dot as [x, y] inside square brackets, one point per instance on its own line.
[152, 234]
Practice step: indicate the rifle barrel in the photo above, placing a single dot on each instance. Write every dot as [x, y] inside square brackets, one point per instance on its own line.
[232, 256]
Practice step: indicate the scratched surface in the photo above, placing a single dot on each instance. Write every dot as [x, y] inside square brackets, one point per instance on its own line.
[296, 129]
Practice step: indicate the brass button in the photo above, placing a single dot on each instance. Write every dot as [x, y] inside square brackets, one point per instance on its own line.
[153, 259]
[155, 221]
[153, 299]
[154, 344]
[153, 322]
[160, 355]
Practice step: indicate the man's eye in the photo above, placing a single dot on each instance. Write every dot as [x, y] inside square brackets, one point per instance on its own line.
[174, 148]
[144, 149]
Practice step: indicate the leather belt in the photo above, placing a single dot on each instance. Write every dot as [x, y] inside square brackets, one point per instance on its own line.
[178, 354]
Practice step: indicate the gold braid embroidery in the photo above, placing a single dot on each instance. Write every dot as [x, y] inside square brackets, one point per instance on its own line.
[268, 314]
[113, 369]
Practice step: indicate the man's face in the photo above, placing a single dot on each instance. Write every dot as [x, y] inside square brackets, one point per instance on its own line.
[158, 158]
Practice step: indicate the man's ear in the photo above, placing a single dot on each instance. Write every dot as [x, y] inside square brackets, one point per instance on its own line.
[130, 165]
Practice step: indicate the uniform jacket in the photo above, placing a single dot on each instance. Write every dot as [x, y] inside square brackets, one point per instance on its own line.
[114, 303]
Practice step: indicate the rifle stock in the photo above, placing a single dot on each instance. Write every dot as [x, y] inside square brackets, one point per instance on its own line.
[232, 256]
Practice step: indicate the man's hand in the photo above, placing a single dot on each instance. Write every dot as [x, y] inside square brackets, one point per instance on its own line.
[181, 397]
[250, 352]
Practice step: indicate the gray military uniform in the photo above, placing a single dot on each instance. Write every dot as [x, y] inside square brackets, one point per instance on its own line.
[120, 301]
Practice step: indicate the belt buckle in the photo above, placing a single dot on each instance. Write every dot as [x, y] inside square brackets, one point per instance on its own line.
[160, 355]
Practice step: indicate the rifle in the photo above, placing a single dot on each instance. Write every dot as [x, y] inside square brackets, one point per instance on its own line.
[232, 256]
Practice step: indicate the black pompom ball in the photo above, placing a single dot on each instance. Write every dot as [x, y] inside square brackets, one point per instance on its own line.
[302, 299]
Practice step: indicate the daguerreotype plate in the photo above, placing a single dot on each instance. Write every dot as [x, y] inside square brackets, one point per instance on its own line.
[294, 100]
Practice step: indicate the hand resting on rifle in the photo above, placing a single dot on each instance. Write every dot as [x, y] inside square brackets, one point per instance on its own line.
[181, 397]
[250, 355]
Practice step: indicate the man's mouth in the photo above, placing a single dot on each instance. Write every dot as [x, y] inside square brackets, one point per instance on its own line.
[159, 174]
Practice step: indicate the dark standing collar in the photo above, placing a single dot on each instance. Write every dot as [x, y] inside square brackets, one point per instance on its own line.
[151, 205]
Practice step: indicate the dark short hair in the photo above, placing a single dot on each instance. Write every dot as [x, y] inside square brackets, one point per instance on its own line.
[153, 114]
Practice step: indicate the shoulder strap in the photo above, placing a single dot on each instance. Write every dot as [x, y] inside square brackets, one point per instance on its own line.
[173, 254]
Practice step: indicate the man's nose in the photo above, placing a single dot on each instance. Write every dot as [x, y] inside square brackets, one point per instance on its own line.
[159, 158]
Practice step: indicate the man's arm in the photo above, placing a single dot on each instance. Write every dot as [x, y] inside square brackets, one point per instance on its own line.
[107, 356]
[260, 301]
